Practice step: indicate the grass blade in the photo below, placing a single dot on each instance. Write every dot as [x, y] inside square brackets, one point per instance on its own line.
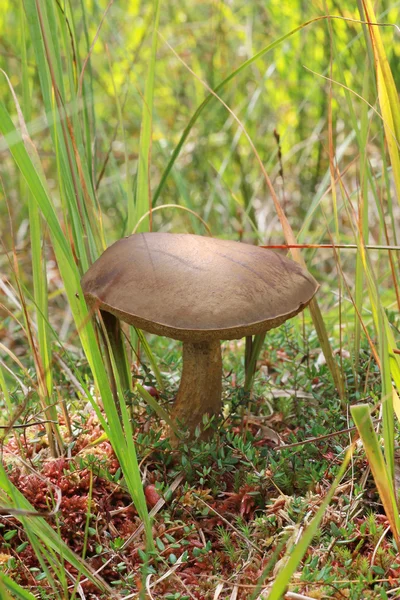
[71, 278]
[38, 527]
[387, 94]
[143, 193]
[9, 585]
[283, 578]
[211, 96]
[379, 468]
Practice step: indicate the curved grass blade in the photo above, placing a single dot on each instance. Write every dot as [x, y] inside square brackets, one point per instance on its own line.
[283, 578]
[143, 192]
[384, 482]
[217, 90]
[9, 585]
[387, 94]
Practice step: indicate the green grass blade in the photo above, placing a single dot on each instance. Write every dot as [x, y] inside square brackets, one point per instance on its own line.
[38, 527]
[284, 576]
[9, 585]
[381, 320]
[326, 347]
[382, 477]
[4, 389]
[388, 95]
[143, 193]
[128, 180]
[387, 397]
[256, 348]
[156, 407]
[211, 97]
[34, 182]
[38, 263]
[152, 360]
[128, 459]
[71, 278]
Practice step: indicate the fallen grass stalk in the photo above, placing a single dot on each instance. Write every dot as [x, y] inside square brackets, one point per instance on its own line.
[321, 246]
[320, 438]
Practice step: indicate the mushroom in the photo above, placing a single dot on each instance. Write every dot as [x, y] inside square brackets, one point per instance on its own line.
[200, 291]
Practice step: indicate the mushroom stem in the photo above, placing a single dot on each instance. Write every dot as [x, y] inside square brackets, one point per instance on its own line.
[201, 384]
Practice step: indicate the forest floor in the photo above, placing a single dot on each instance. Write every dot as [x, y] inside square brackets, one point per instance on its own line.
[225, 511]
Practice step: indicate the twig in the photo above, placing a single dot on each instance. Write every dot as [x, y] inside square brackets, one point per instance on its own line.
[248, 542]
[25, 425]
[322, 437]
[177, 481]
[324, 246]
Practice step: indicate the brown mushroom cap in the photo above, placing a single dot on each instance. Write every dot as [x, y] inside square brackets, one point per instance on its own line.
[194, 288]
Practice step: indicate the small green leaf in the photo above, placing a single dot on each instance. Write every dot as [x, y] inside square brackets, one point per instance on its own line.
[21, 547]
[160, 544]
[10, 534]
[172, 559]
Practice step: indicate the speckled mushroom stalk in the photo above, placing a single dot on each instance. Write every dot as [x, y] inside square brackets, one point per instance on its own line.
[200, 389]
[200, 291]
